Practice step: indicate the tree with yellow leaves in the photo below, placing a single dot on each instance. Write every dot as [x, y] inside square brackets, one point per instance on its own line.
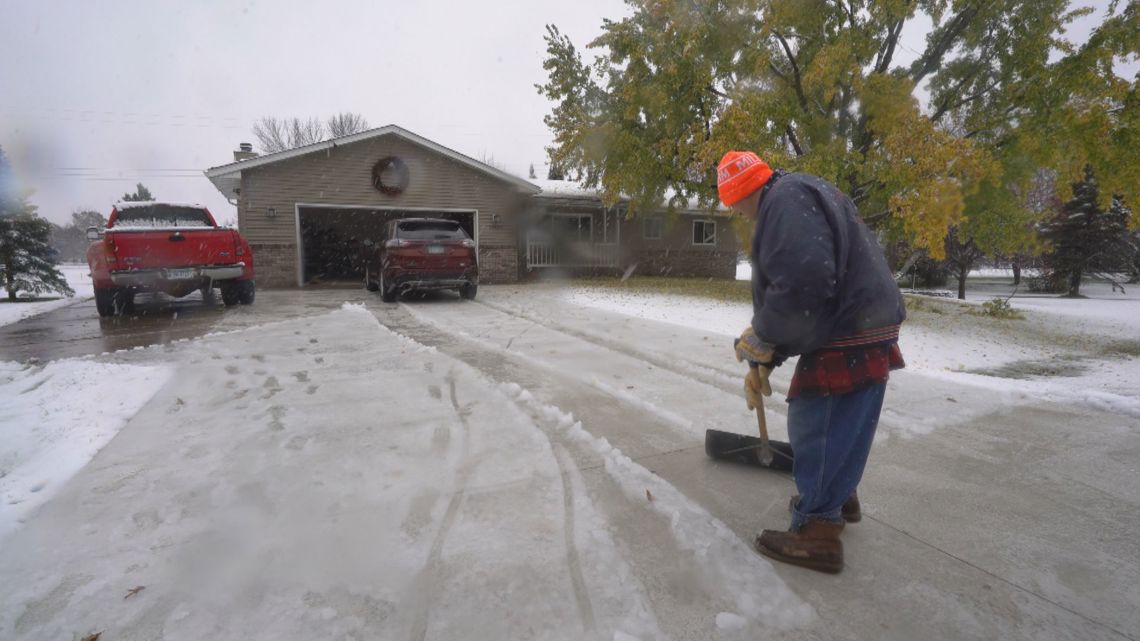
[815, 86]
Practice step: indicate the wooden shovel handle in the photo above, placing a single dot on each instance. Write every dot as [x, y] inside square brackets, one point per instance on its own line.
[761, 420]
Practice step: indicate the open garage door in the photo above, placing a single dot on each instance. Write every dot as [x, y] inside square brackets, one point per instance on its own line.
[335, 242]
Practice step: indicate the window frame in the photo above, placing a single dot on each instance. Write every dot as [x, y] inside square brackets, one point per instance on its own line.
[693, 235]
[660, 224]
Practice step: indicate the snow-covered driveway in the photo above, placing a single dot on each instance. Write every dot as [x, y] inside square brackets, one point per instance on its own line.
[526, 467]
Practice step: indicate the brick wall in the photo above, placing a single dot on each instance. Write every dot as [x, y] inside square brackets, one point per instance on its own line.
[275, 264]
[703, 263]
[498, 264]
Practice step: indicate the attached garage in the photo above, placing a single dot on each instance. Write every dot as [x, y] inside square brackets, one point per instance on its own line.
[312, 213]
[335, 242]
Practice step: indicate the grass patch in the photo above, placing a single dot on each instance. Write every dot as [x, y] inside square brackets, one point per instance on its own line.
[999, 308]
[1031, 369]
[1123, 348]
[738, 291]
[919, 303]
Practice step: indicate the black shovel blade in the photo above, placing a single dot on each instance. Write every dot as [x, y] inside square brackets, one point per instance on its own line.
[738, 448]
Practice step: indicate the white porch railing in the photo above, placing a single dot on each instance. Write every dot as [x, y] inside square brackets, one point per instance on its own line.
[545, 254]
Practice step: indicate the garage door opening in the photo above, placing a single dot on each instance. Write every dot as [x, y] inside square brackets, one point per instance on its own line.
[337, 242]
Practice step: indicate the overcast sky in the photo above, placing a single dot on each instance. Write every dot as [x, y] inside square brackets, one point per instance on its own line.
[96, 96]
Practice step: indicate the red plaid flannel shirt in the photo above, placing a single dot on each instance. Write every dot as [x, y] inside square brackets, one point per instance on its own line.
[844, 366]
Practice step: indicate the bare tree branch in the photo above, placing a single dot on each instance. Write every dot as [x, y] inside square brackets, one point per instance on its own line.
[345, 124]
[270, 134]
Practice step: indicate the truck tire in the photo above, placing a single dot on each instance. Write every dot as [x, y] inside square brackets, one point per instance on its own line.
[387, 294]
[230, 294]
[245, 291]
[113, 301]
[105, 302]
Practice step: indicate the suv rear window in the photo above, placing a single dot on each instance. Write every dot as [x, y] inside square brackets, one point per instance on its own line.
[430, 230]
[162, 216]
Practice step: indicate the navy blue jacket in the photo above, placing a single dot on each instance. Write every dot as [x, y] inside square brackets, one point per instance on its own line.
[818, 272]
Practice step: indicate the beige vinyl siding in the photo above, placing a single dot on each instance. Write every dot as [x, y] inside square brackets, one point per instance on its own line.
[343, 176]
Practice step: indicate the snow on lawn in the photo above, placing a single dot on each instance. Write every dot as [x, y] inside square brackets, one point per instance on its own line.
[77, 275]
[1082, 350]
[55, 418]
[327, 478]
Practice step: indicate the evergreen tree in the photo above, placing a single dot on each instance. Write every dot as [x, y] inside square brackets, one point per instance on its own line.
[27, 260]
[141, 194]
[1086, 239]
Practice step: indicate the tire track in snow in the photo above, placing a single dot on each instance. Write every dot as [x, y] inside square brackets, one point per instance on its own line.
[573, 560]
[426, 584]
[722, 379]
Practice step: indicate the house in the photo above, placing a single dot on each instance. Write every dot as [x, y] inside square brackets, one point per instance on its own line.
[312, 214]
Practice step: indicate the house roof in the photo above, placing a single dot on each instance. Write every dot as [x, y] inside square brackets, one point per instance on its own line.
[568, 190]
[227, 178]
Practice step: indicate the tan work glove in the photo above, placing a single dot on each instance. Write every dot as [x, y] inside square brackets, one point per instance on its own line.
[750, 348]
[756, 384]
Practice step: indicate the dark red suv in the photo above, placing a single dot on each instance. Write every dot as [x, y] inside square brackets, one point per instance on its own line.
[423, 253]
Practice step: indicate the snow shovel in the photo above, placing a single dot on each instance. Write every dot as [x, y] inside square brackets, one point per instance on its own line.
[760, 452]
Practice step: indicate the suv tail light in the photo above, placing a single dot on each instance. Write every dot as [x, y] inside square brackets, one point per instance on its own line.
[397, 242]
[467, 242]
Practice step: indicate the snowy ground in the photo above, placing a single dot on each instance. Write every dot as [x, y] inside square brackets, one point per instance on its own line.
[77, 275]
[530, 466]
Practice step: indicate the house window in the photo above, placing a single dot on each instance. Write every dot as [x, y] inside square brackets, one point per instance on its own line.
[704, 232]
[574, 228]
[651, 228]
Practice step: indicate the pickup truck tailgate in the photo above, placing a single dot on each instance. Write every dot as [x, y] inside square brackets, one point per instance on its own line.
[169, 236]
[151, 249]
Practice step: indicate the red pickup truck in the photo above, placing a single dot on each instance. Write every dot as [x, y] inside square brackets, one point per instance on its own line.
[166, 247]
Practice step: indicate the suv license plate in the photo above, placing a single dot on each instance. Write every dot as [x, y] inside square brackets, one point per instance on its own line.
[435, 249]
[179, 274]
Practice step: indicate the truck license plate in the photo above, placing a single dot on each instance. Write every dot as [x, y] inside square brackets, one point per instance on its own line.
[179, 274]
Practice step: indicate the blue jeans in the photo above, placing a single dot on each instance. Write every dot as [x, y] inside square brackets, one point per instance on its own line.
[831, 438]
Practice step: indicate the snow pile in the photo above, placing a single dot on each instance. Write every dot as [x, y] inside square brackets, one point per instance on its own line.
[55, 419]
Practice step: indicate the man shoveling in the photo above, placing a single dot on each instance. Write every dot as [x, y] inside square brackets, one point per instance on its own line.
[821, 289]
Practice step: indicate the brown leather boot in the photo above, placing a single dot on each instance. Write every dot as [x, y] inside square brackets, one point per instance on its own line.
[851, 511]
[816, 546]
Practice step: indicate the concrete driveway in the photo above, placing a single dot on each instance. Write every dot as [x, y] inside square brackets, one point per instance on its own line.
[1001, 517]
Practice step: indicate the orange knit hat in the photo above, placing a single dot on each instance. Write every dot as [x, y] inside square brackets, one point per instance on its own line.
[739, 174]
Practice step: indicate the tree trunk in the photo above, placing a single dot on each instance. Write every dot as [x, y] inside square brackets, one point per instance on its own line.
[963, 270]
[10, 277]
[1075, 282]
[1016, 273]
